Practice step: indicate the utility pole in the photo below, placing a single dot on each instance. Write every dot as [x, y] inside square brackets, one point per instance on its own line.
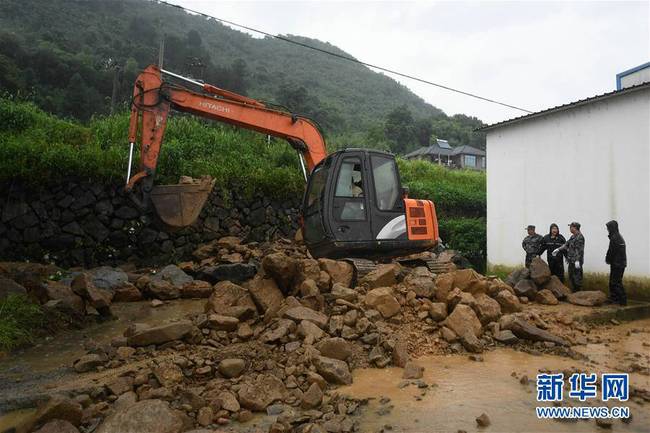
[161, 52]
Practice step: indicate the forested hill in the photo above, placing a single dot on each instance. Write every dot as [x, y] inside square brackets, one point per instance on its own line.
[65, 56]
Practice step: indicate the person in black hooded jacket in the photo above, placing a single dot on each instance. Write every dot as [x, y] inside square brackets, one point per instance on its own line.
[550, 242]
[616, 258]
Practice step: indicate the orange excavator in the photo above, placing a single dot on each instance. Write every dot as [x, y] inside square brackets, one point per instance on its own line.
[353, 206]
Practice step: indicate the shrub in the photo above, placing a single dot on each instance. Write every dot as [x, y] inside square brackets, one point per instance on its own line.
[20, 318]
[467, 236]
[456, 193]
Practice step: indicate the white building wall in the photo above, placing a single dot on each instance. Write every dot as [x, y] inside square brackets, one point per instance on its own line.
[589, 164]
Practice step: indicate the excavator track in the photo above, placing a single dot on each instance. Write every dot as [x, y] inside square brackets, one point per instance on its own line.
[363, 267]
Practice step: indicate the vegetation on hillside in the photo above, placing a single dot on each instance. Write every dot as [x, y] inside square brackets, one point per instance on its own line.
[67, 56]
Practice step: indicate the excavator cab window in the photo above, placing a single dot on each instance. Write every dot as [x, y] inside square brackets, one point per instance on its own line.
[349, 195]
[387, 188]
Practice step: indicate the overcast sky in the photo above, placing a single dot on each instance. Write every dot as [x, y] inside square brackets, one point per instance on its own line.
[533, 55]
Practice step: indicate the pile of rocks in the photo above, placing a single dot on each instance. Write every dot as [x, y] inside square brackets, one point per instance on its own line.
[280, 339]
[537, 284]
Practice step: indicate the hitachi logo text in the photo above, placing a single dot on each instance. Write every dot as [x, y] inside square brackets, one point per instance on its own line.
[214, 107]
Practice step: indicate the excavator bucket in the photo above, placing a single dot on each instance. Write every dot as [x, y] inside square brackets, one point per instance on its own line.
[180, 205]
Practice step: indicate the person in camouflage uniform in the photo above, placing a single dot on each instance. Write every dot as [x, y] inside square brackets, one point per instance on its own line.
[532, 244]
[575, 254]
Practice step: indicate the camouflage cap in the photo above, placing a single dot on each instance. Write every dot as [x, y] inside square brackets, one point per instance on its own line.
[575, 224]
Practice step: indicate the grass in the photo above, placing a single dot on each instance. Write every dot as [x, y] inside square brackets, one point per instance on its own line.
[637, 288]
[19, 318]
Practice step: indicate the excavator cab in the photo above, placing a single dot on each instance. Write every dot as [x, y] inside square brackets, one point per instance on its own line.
[354, 206]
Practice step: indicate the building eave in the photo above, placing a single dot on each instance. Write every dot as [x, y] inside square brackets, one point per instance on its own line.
[565, 107]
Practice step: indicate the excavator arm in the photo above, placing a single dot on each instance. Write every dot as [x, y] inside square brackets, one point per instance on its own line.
[153, 98]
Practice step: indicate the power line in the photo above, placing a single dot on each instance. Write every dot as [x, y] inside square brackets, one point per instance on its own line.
[349, 59]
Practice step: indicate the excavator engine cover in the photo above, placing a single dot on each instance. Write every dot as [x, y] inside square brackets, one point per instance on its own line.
[180, 205]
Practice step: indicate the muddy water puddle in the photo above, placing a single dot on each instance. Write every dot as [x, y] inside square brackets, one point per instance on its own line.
[28, 376]
[461, 390]
[61, 350]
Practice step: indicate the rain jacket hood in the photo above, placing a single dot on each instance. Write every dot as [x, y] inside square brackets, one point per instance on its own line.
[612, 227]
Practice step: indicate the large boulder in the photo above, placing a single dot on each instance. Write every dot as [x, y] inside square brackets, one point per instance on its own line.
[299, 314]
[444, 285]
[517, 275]
[438, 311]
[146, 416]
[108, 278]
[540, 273]
[336, 347]
[587, 298]
[341, 292]
[471, 343]
[509, 303]
[57, 426]
[487, 309]
[235, 272]
[265, 293]
[261, 392]
[307, 269]
[145, 336]
[174, 275]
[462, 320]
[421, 281]
[339, 271]
[382, 276]
[57, 290]
[127, 292]
[559, 290]
[196, 289]
[528, 331]
[10, 287]
[546, 297]
[468, 280]
[59, 407]
[282, 268]
[100, 299]
[163, 289]
[333, 370]
[526, 288]
[229, 299]
[383, 300]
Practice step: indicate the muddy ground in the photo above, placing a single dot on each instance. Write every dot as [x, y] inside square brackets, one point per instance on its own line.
[308, 346]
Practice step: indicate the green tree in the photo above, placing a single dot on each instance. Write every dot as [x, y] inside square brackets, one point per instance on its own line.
[399, 130]
[423, 131]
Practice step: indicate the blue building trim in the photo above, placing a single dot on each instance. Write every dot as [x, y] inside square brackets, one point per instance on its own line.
[620, 75]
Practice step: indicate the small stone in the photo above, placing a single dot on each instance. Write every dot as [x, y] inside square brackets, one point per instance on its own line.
[313, 397]
[483, 420]
[232, 367]
[412, 371]
[205, 416]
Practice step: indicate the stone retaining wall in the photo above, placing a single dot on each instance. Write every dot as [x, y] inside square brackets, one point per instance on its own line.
[79, 223]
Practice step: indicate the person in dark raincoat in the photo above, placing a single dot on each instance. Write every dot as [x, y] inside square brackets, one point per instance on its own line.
[616, 258]
[550, 242]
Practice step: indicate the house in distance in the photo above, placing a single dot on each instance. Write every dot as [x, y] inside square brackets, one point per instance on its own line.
[456, 157]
